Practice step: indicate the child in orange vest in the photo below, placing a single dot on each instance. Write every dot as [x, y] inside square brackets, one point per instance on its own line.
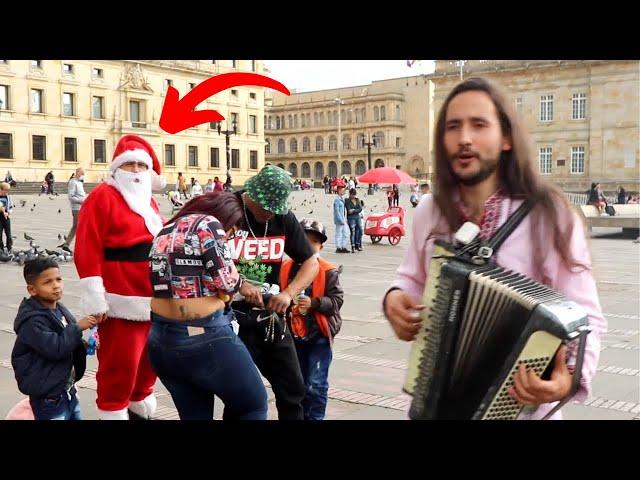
[315, 320]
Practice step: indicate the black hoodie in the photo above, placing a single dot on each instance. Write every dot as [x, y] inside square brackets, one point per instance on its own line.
[46, 350]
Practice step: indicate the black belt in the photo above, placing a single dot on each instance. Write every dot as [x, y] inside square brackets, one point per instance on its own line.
[135, 253]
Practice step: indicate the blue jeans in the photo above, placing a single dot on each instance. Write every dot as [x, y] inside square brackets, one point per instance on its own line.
[356, 231]
[197, 363]
[315, 358]
[63, 407]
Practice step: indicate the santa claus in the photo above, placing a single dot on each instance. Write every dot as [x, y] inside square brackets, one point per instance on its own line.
[116, 226]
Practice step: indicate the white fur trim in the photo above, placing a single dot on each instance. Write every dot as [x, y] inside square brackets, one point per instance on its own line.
[137, 155]
[145, 408]
[92, 296]
[113, 415]
[128, 307]
[158, 182]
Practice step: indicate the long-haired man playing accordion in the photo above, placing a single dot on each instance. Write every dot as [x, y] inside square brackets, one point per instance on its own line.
[483, 173]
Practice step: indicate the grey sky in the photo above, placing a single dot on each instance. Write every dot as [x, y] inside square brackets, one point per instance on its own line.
[309, 75]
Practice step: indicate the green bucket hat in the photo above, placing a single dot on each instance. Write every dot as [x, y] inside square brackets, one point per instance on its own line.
[271, 189]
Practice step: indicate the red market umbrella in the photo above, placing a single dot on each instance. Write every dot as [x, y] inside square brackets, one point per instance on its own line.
[386, 175]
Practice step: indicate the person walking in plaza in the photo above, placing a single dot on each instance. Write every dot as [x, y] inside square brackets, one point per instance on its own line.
[76, 195]
[182, 185]
[353, 205]
[483, 173]
[208, 188]
[270, 229]
[196, 189]
[390, 196]
[315, 320]
[192, 345]
[49, 355]
[396, 195]
[340, 220]
[51, 180]
[6, 206]
[117, 224]
[217, 185]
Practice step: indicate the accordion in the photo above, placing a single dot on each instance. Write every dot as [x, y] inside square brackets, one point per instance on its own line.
[480, 323]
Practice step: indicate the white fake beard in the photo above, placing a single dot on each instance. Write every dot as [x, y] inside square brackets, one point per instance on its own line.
[136, 191]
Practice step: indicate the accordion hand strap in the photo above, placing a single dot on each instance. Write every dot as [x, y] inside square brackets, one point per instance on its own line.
[483, 250]
[577, 373]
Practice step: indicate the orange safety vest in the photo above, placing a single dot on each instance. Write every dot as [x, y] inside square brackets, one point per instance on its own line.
[317, 290]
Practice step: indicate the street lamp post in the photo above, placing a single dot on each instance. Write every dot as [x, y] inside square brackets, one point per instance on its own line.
[227, 133]
[340, 102]
[372, 141]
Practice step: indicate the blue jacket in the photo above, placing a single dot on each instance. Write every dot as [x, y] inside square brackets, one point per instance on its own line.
[338, 211]
[45, 350]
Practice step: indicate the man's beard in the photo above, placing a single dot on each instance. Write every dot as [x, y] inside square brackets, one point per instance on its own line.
[135, 188]
[487, 167]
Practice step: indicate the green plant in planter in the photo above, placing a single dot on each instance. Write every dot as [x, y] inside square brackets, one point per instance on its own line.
[254, 270]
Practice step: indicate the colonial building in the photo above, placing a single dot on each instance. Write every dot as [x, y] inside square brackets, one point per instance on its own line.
[582, 117]
[329, 132]
[61, 114]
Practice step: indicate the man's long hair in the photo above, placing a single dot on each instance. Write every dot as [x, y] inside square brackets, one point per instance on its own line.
[225, 206]
[516, 173]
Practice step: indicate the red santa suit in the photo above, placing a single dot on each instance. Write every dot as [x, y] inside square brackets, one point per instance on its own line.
[114, 235]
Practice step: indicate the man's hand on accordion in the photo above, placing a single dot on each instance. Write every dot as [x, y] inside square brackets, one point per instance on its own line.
[403, 314]
[529, 389]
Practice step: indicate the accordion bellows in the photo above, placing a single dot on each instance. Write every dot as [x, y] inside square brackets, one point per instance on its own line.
[480, 323]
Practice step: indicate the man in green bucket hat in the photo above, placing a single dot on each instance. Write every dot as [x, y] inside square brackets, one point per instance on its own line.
[271, 230]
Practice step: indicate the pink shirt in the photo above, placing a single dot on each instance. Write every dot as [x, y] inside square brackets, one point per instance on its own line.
[514, 254]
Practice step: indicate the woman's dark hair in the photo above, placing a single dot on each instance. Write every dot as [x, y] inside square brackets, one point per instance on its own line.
[33, 268]
[225, 206]
[516, 173]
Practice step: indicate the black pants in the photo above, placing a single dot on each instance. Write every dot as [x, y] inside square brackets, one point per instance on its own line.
[5, 226]
[278, 362]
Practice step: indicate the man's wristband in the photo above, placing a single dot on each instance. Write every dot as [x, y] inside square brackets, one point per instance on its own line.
[384, 299]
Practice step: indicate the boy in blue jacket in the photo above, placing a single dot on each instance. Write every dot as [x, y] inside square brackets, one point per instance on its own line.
[49, 355]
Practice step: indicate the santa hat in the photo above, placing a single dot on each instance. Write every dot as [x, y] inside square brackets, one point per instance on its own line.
[132, 148]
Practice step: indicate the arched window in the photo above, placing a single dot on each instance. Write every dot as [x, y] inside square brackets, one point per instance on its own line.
[333, 169]
[293, 145]
[376, 114]
[379, 163]
[318, 171]
[383, 113]
[345, 168]
[319, 144]
[306, 144]
[333, 143]
[346, 142]
[293, 169]
[295, 121]
[277, 123]
[306, 170]
[281, 146]
[360, 140]
[315, 118]
[281, 165]
[360, 167]
[380, 139]
[267, 147]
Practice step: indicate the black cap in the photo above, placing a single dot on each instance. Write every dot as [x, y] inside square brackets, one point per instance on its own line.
[310, 225]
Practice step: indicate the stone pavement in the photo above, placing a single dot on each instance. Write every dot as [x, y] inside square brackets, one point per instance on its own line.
[369, 362]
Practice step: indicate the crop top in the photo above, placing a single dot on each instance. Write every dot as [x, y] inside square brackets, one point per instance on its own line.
[190, 259]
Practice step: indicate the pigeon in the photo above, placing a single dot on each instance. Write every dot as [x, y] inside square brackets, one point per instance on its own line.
[51, 252]
[310, 212]
[31, 210]
[59, 210]
[67, 249]
[34, 205]
[51, 198]
[59, 237]
[27, 237]
[23, 203]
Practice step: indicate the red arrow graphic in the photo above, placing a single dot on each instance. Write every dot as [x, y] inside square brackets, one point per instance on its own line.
[178, 115]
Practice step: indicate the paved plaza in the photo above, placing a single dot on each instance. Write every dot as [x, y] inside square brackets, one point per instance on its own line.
[369, 363]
